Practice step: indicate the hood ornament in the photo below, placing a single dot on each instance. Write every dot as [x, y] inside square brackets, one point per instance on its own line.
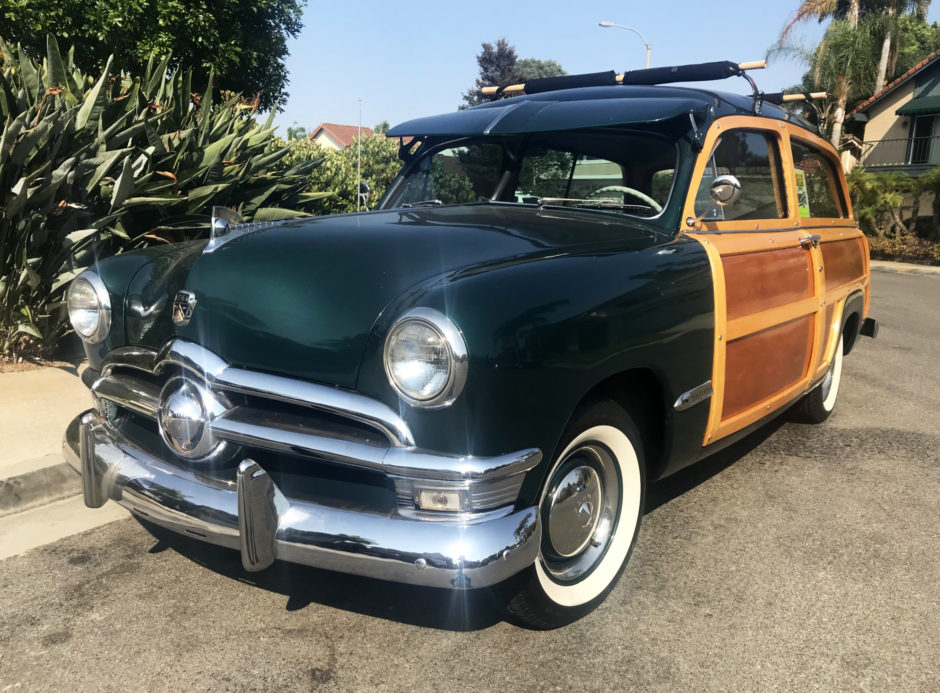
[183, 306]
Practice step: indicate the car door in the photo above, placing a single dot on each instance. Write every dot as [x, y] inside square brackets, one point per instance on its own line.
[767, 283]
[824, 215]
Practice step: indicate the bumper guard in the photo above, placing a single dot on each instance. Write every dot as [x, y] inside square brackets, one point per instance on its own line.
[256, 518]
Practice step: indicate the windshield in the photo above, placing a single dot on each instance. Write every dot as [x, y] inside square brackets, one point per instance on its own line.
[625, 172]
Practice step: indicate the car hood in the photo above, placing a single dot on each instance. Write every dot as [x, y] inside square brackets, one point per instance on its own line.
[300, 298]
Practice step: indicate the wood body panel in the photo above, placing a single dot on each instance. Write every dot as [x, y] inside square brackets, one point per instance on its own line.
[844, 262]
[779, 297]
[765, 363]
[767, 279]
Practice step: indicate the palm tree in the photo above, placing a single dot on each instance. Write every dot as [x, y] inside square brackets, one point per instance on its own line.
[889, 47]
[846, 10]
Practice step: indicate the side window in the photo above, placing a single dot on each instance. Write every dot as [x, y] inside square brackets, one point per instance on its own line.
[752, 158]
[817, 186]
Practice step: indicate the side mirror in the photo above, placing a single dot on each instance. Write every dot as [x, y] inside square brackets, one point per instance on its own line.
[725, 190]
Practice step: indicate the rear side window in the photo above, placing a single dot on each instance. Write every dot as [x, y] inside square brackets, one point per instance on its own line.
[752, 158]
[817, 186]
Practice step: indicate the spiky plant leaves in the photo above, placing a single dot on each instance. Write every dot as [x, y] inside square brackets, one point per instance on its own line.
[92, 166]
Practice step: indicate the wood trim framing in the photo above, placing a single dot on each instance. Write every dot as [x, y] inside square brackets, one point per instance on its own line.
[770, 291]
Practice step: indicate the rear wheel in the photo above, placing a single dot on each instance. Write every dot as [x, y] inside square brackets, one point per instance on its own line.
[819, 402]
[590, 509]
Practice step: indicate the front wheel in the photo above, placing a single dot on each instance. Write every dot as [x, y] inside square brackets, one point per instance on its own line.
[590, 509]
[819, 402]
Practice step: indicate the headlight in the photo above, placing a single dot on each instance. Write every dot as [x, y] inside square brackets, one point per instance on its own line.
[89, 307]
[426, 358]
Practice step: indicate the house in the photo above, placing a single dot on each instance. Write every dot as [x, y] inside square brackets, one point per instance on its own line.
[337, 136]
[898, 126]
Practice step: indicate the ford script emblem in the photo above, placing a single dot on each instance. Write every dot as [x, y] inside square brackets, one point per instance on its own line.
[183, 306]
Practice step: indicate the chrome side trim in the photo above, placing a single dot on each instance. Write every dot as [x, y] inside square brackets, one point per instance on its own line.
[455, 554]
[694, 396]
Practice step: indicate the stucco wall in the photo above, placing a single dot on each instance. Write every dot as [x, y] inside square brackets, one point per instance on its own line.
[887, 130]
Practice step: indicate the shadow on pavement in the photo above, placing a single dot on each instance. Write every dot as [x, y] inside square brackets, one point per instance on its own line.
[428, 607]
[661, 492]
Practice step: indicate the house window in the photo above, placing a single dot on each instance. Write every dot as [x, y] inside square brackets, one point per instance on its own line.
[918, 147]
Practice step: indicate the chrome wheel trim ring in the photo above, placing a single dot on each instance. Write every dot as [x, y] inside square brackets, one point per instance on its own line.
[597, 566]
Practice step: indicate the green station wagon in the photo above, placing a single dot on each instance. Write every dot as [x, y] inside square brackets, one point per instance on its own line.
[562, 297]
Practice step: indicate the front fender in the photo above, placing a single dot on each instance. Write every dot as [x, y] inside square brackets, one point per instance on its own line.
[542, 334]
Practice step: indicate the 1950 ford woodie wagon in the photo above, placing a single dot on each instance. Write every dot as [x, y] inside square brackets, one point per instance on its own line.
[563, 296]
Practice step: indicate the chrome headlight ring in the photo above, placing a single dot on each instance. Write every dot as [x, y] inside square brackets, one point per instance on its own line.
[456, 351]
[97, 331]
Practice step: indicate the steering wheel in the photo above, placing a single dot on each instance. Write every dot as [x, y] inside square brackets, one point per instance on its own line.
[630, 191]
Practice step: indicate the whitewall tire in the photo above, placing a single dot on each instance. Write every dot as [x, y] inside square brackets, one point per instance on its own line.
[590, 505]
[819, 402]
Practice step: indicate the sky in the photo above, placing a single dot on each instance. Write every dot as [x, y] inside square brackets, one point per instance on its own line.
[415, 58]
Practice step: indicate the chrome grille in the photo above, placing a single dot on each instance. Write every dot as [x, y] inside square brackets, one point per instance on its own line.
[282, 415]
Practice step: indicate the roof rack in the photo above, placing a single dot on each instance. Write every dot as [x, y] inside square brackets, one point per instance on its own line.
[700, 72]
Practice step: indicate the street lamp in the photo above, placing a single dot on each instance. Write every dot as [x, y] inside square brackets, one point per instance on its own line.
[649, 46]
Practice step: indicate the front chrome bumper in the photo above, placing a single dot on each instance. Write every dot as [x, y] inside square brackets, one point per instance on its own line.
[257, 518]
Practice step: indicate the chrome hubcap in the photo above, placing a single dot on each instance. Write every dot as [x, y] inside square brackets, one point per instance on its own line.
[574, 511]
[580, 512]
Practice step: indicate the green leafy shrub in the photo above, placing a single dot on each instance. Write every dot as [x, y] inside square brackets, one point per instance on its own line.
[94, 166]
[905, 248]
[337, 174]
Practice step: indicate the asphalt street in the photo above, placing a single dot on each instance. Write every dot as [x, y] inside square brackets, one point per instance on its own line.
[804, 558]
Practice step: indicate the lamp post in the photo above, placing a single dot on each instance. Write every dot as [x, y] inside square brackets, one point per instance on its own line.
[649, 46]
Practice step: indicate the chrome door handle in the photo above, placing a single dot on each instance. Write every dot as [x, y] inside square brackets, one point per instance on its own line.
[808, 241]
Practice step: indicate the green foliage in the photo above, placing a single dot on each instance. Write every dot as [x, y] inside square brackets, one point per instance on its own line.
[499, 66]
[93, 166]
[296, 132]
[336, 176]
[916, 40]
[244, 42]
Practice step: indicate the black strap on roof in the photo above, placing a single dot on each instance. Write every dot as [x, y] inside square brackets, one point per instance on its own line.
[702, 72]
[591, 79]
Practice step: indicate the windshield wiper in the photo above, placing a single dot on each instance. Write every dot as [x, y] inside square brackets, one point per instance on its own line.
[424, 203]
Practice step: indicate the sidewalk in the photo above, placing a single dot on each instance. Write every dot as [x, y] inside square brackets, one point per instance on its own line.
[40, 494]
[35, 408]
[904, 268]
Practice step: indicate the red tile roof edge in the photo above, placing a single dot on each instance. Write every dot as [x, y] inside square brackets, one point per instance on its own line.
[895, 83]
[344, 134]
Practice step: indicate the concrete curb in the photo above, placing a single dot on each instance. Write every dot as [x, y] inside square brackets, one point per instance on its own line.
[37, 482]
[904, 268]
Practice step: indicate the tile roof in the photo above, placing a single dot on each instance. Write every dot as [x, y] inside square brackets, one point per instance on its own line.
[344, 134]
[896, 83]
